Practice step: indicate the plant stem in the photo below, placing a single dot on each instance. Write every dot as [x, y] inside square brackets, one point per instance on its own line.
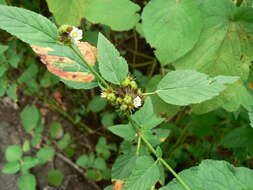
[92, 70]
[138, 146]
[149, 93]
[151, 148]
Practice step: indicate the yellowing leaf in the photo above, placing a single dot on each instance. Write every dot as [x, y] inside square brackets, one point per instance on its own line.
[118, 185]
[67, 69]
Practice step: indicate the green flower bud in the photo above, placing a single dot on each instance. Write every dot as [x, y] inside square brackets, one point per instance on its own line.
[126, 82]
[133, 84]
[123, 107]
[128, 99]
[111, 97]
[119, 100]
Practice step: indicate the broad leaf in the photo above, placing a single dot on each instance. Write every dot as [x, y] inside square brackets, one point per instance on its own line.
[224, 48]
[118, 14]
[145, 117]
[11, 167]
[27, 182]
[28, 26]
[210, 175]
[30, 118]
[186, 87]
[123, 166]
[13, 153]
[171, 27]
[63, 62]
[144, 175]
[45, 154]
[112, 66]
[125, 131]
[55, 177]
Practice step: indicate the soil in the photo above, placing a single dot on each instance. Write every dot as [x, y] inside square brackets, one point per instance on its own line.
[11, 133]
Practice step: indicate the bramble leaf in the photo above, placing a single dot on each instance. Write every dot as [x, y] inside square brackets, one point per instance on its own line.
[28, 26]
[171, 27]
[184, 87]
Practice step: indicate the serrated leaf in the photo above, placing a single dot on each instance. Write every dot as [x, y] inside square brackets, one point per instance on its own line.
[27, 182]
[171, 27]
[123, 166]
[184, 87]
[63, 62]
[125, 131]
[210, 175]
[146, 117]
[112, 66]
[144, 175]
[124, 16]
[55, 177]
[30, 27]
[30, 117]
[13, 153]
[224, 48]
[11, 167]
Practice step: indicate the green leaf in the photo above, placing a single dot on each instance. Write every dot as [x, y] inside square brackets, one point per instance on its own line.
[123, 166]
[12, 92]
[3, 48]
[83, 161]
[29, 162]
[56, 130]
[210, 175]
[45, 154]
[3, 2]
[28, 26]
[224, 48]
[144, 175]
[55, 177]
[26, 146]
[186, 87]
[112, 66]
[13, 153]
[30, 118]
[100, 164]
[65, 141]
[126, 131]
[11, 167]
[102, 148]
[145, 117]
[27, 182]
[123, 16]
[171, 27]
[97, 104]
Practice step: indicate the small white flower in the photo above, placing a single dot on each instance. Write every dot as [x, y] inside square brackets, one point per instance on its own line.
[137, 102]
[102, 95]
[76, 34]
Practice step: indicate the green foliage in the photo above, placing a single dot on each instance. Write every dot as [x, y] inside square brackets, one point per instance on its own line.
[55, 177]
[223, 175]
[13, 153]
[97, 104]
[28, 26]
[112, 66]
[123, 16]
[190, 87]
[30, 118]
[45, 154]
[11, 167]
[27, 182]
[171, 27]
[56, 130]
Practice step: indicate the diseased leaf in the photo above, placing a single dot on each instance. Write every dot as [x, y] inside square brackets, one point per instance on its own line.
[171, 27]
[184, 87]
[210, 175]
[30, 27]
[70, 69]
[112, 66]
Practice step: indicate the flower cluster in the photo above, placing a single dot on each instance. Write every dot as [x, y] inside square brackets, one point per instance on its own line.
[69, 33]
[126, 97]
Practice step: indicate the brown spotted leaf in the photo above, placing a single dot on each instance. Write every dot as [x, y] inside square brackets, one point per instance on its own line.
[118, 185]
[62, 62]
